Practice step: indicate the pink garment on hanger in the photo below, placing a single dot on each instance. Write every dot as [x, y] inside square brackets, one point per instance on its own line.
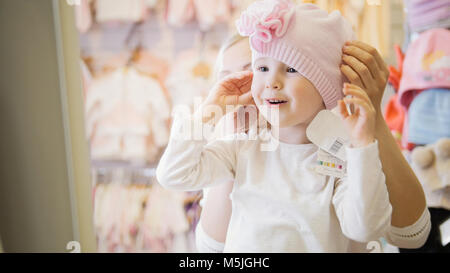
[183, 86]
[127, 116]
[152, 64]
[132, 216]
[164, 216]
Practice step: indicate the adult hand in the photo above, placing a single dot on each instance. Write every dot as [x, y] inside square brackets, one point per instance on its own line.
[364, 67]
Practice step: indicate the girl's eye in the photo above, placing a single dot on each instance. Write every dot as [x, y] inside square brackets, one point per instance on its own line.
[263, 69]
[291, 70]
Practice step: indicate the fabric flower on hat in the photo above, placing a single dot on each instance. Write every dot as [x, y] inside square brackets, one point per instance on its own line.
[265, 20]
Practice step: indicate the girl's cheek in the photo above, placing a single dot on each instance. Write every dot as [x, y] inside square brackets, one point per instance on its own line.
[254, 88]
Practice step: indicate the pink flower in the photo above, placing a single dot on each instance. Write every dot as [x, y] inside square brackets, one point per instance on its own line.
[265, 20]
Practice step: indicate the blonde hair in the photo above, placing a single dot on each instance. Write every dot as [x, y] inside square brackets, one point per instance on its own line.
[229, 42]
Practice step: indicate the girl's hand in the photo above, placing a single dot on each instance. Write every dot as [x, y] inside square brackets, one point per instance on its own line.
[232, 90]
[364, 67]
[361, 123]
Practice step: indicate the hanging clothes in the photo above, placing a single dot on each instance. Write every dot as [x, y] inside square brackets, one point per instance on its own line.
[426, 66]
[127, 116]
[429, 117]
[191, 77]
[164, 219]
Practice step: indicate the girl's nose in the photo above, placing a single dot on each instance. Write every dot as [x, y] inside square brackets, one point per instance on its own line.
[275, 85]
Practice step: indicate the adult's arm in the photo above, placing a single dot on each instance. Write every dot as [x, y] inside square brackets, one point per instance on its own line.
[363, 66]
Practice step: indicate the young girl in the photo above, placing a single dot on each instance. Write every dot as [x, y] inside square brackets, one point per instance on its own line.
[280, 204]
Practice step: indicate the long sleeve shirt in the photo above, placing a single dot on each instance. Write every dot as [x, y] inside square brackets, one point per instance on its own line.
[279, 202]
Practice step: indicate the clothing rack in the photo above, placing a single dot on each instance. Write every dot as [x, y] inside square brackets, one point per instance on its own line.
[123, 173]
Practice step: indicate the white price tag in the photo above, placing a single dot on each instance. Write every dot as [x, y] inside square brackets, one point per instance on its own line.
[328, 131]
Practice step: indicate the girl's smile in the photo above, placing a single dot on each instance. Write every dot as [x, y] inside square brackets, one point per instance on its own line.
[275, 102]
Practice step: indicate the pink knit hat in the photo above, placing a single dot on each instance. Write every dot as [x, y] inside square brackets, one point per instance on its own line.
[303, 37]
[426, 65]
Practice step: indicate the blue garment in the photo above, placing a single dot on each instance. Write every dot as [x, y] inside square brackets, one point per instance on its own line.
[429, 116]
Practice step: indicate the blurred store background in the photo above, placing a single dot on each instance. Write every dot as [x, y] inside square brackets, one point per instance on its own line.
[87, 95]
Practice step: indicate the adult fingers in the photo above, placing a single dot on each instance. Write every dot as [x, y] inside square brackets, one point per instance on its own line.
[361, 69]
[364, 57]
[372, 51]
[351, 75]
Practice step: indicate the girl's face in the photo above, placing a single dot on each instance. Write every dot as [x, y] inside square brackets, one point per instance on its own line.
[236, 58]
[278, 86]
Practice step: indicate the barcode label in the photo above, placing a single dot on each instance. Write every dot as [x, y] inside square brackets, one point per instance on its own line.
[337, 145]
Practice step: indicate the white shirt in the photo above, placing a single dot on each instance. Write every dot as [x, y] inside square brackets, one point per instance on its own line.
[279, 203]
